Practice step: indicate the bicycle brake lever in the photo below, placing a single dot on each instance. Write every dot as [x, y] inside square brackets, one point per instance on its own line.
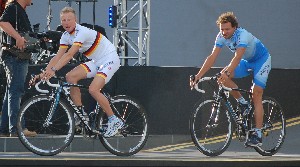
[32, 76]
[192, 79]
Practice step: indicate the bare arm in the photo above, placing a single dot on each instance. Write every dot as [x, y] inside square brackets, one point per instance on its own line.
[51, 64]
[60, 61]
[66, 57]
[227, 71]
[236, 59]
[56, 58]
[209, 62]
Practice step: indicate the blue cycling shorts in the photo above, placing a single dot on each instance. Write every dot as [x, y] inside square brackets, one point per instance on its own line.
[261, 69]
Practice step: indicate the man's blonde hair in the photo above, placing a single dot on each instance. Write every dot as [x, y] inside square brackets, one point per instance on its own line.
[67, 10]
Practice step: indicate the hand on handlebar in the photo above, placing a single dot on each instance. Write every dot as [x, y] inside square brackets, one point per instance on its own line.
[34, 79]
[222, 78]
[194, 79]
[47, 74]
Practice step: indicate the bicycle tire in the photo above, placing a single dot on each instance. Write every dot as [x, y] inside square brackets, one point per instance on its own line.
[211, 140]
[133, 136]
[52, 137]
[273, 128]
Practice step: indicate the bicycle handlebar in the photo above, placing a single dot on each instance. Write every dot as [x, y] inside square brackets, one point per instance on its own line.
[48, 83]
[215, 77]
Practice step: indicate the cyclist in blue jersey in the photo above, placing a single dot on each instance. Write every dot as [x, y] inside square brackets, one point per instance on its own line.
[249, 55]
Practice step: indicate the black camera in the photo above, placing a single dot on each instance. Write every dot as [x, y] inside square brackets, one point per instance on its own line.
[46, 40]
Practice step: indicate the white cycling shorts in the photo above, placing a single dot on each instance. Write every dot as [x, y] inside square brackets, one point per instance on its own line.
[105, 67]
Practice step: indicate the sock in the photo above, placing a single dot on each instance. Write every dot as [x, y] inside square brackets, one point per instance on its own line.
[111, 117]
[80, 108]
[242, 100]
[258, 132]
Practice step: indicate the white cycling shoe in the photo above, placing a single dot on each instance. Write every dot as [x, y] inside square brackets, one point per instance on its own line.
[113, 126]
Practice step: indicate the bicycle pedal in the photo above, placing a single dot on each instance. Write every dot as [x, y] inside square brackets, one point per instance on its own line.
[246, 145]
[78, 131]
[242, 138]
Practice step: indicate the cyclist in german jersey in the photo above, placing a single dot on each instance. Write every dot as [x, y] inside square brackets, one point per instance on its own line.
[104, 63]
[249, 55]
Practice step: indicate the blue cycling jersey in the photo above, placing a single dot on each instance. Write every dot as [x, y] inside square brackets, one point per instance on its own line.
[242, 38]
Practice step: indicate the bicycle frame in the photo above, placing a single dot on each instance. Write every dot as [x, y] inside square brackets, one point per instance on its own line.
[63, 88]
[223, 94]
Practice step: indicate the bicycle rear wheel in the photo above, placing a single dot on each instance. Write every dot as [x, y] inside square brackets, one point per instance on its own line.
[211, 131]
[273, 127]
[54, 127]
[133, 136]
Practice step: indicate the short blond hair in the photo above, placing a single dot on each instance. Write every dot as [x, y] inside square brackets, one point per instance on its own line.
[67, 10]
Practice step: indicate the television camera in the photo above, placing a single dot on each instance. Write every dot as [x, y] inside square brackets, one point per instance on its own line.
[42, 40]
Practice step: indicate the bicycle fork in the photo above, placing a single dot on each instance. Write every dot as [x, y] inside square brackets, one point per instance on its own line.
[53, 108]
[214, 116]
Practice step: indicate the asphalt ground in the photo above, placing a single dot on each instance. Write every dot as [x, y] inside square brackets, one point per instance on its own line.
[160, 152]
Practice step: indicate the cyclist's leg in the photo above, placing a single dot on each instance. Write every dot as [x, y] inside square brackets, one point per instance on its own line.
[96, 85]
[257, 101]
[262, 69]
[240, 71]
[78, 73]
[108, 66]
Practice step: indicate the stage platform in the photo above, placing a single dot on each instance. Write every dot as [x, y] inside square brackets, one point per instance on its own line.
[169, 150]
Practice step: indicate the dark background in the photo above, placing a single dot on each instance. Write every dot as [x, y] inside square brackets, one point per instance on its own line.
[166, 95]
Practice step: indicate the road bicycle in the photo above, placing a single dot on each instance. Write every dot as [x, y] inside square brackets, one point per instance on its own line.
[51, 115]
[214, 121]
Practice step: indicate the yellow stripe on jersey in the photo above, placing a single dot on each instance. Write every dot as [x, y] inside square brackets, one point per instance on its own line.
[63, 46]
[96, 43]
[77, 43]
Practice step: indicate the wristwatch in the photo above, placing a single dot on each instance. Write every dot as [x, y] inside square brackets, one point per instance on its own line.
[227, 73]
[53, 69]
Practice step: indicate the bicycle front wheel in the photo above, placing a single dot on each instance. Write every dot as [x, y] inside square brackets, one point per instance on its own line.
[133, 136]
[53, 125]
[211, 128]
[273, 127]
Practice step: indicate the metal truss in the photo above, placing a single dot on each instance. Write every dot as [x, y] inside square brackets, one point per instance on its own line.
[132, 32]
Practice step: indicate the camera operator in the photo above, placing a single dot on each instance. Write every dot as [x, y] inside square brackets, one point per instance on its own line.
[13, 21]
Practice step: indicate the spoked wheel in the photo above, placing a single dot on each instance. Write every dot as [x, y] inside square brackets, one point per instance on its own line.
[211, 130]
[273, 127]
[54, 127]
[133, 136]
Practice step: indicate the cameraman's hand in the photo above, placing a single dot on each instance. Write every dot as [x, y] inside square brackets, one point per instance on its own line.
[21, 43]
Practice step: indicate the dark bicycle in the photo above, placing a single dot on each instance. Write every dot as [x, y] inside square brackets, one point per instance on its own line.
[212, 121]
[52, 114]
